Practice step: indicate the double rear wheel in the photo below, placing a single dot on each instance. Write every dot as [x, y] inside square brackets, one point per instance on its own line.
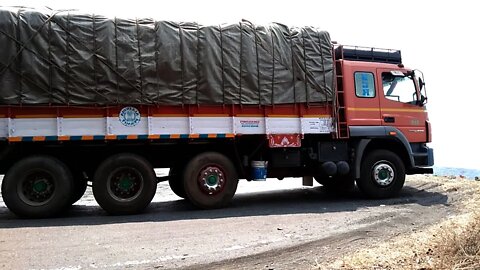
[210, 180]
[124, 184]
[37, 187]
[175, 181]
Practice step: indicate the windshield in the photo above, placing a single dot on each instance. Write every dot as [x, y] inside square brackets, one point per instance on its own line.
[399, 87]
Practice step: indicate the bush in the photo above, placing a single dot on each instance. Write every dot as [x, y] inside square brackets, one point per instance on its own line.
[461, 249]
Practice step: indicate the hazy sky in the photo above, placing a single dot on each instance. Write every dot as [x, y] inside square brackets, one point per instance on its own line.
[441, 38]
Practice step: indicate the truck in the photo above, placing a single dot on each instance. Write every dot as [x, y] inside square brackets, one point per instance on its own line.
[90, 99]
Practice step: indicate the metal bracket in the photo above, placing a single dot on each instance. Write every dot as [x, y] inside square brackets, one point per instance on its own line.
[59, 126]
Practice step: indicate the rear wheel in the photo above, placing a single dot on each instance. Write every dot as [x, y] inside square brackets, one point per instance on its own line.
[124, 184]
[38, 187]
[382, 174]
[175, 181]
[210, 180]
[79, 188]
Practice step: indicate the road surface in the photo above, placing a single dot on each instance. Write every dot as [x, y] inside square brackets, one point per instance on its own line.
[270, 225]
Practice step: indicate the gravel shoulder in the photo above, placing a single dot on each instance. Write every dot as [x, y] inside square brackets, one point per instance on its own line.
[270, 225]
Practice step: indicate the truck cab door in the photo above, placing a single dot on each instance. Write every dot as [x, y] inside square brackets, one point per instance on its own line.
[362, 96]
[399, 106]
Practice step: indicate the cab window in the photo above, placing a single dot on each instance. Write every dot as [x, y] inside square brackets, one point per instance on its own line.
[399, 87]
[364, 85]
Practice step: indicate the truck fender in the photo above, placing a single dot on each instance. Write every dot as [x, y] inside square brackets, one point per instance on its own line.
[399, 136]
[359, 149]
[377, 132]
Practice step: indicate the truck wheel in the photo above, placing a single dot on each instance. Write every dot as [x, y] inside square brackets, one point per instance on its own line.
[37, 187]
[210, 180]
[124, 184]
[79, 188]
[382, 174]
[175, 181]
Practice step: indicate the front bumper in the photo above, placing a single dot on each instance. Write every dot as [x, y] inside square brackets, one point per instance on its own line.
[423, 159]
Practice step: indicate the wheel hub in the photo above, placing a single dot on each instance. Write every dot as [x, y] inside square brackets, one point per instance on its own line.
[37, 188]
[383, 174]
[211, 180]
[125, 183]
[40, 186]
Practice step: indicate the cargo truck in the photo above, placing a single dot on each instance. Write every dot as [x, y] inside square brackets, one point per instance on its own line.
[85, 98]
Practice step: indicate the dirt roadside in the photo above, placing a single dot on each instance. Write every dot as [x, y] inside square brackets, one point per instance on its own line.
[417, 241]
[292, 228]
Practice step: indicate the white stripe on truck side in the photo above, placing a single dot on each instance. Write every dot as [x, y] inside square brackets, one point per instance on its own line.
[153, 125]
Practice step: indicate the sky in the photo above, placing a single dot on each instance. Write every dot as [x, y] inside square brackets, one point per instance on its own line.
[440, 38]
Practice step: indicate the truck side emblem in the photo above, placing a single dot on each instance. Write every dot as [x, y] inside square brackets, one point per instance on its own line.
[129, 116]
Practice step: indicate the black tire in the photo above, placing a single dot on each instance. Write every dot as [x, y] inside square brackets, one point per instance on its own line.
[222, 179]
[341, 185]
[124, 184]
[382, 174]
[37, 187]
[79, 188]
[175, 181]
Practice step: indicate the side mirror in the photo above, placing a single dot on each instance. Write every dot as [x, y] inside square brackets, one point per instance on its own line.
[422, 100]
[421, 83]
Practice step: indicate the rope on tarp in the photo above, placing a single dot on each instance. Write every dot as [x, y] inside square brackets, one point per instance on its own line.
[24, 47]
[138, 79]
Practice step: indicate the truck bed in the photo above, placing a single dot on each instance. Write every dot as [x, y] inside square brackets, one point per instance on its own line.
[64, 123]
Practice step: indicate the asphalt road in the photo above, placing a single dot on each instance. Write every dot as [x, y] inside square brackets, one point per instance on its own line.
[270, 225]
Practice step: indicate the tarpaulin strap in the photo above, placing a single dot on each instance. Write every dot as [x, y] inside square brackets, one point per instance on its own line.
[139, 59]
[95, 60]
[18, 58]
[323, 67]
[273, 67]
[157, 81]
[67, 62]
[223, 65]
[197, 71]
[241, 54]
[50, 70]
[303, 31]
[293, 65]
[117, 84]
[182, 61]
[258, 64]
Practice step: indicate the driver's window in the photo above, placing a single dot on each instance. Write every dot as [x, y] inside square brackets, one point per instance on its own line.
[399, 88]
[364, 85]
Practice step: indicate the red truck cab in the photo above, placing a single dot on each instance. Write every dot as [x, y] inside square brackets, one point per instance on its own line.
[384, 102]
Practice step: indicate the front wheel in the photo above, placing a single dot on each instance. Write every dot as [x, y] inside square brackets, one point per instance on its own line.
[382, 174]
[124, 184]
[210, 180]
